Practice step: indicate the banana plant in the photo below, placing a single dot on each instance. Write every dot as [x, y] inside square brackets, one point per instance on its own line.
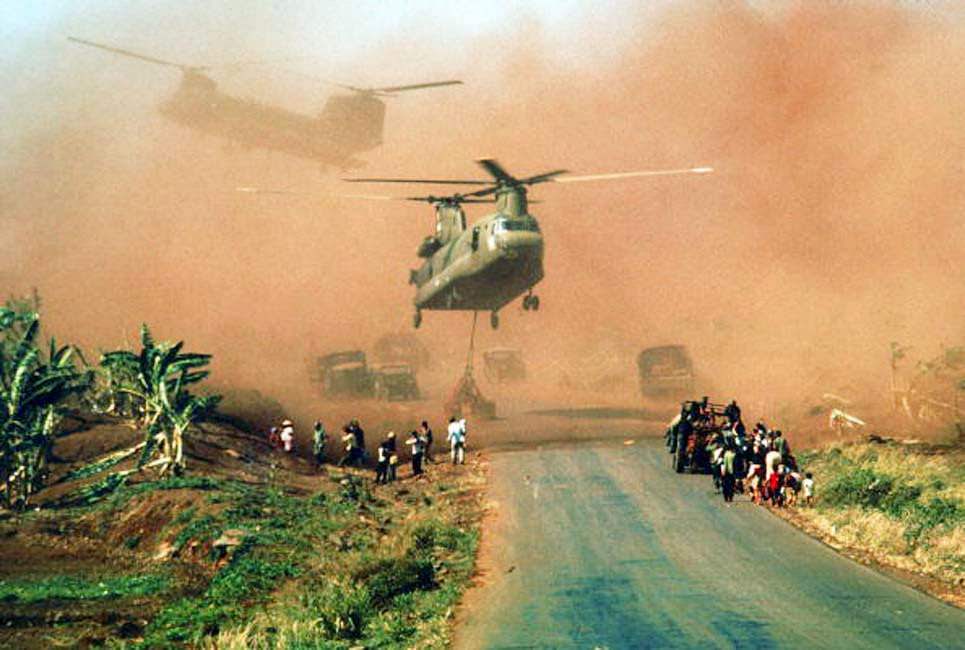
[158, 394]
[33, 389]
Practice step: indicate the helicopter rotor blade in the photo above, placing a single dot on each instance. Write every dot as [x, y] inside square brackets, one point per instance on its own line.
[425, 181]
[660, 172]
[496, 170]
[542, 178]
[135, 55]
[430, 84]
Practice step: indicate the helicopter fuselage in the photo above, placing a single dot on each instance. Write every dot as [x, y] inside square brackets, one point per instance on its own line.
[199, 105]
[484, 267]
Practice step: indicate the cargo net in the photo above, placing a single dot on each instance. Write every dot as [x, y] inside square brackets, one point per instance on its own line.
[466, 399]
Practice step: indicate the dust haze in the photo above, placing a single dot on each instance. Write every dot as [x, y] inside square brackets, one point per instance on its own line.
[832, 226]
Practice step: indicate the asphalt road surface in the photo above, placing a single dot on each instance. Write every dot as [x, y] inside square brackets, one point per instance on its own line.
[606, 547]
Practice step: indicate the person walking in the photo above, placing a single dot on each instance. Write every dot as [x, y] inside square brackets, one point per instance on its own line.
[457, 441]
[319, 438]
[418, 444]
[727, 473]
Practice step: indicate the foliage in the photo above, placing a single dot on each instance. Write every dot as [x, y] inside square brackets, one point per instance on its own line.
[342, 610]
[66, 587]
[155, 384]
[34, 385]
[388, 577]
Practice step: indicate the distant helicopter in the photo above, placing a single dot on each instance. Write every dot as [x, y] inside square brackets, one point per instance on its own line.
[487, 266]
[347, 125]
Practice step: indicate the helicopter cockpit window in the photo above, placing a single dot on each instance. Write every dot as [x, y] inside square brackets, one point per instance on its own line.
[506, 225]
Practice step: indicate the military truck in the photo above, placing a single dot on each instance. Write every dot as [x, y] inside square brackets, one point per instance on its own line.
[393, 382]
[343, 374]
[503, 365]
[690, 432]
[665, 371]
[401, 348]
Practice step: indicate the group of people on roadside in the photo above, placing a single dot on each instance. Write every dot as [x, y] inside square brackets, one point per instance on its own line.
[420, 441]
[758, 463]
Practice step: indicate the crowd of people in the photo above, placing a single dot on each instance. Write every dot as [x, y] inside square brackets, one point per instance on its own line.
[419, 441]
[758, 463]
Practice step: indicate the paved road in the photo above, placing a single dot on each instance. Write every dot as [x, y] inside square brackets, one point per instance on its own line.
[604, 547]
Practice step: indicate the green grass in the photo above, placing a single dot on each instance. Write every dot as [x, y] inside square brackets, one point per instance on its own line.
[74, 588]
[905, 504]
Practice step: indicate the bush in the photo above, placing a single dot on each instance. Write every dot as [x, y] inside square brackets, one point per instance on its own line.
[386, 578]
[936, 513]
[864, 488]
[341, 610]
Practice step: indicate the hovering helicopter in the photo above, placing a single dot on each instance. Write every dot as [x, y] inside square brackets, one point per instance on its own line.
[347, 125]
[498, 259]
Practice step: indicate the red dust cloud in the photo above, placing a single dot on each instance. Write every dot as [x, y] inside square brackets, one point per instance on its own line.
[832, 226]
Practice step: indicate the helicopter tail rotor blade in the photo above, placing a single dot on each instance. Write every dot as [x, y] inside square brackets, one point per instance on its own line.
[134, 55]
[660, 172]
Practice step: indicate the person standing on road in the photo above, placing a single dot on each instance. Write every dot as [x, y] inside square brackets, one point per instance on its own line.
[457, 441]
[319, 437]
[353, 453]
[727, 475]
[418, 449]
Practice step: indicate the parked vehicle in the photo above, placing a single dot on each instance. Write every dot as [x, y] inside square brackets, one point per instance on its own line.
[665, 371]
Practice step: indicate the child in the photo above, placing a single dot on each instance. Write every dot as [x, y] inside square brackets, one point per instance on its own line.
[808, 485]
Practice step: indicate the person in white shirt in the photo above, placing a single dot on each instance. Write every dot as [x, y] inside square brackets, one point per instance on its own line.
[808, 485]
[457, 440]
[287, 435]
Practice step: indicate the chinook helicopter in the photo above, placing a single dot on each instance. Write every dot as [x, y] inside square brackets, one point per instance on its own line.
[498, 259]
[347, 125]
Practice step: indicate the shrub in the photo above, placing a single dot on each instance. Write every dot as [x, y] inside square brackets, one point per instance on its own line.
[389, 577]
[938, 512]
[342, 610]
[865, 488]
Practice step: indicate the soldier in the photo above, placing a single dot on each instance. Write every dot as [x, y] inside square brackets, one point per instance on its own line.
[319, 437]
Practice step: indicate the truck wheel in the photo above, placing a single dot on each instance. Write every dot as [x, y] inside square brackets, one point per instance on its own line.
[678, 460]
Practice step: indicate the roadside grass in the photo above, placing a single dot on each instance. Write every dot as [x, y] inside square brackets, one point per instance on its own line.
[65, 587]
[904, 504]
[349, 565]
[392, 586]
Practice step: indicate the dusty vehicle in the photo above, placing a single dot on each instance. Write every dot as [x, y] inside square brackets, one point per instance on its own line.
[503, 365]
[687, 437]
[665, 371]
[393, 382]
[343, 374]
[401, 348]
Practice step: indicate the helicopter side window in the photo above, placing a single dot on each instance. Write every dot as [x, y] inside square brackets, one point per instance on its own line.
[506, 225]
[475, 238]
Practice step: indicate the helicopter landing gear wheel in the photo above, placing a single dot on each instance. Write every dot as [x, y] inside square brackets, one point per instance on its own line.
[417, 318]
[494, 320]
[531, 302]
